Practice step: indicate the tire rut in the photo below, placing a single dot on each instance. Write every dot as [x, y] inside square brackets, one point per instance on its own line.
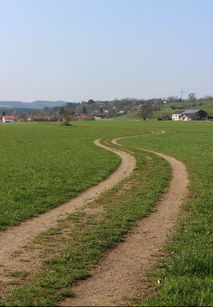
[118, 276]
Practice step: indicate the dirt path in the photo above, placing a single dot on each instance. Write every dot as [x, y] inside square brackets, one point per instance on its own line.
[16, 237]
[117, 277]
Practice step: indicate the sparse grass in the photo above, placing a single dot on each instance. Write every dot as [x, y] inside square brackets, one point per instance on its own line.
[18, 274]
[16, 253]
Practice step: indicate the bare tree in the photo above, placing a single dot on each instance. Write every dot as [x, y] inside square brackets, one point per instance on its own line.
[84, 110]
[64, 113]
[146, 111]
[192, 97]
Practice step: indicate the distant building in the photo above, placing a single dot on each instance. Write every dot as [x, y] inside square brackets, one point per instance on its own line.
[164, 117]
[190, 115]
[42, 118]
[9, 119]
[194, 115]
[79, 118]
[176, 116]
[138, 108]
[100, 116]
[121, 112]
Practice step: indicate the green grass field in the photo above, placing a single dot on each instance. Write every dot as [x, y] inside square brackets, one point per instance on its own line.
[43, 165]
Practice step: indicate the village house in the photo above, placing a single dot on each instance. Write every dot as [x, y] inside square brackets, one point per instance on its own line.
[138, 108]
[42, 118]
[176, 115]
[9, 119]
[164, 117]
[99, 116]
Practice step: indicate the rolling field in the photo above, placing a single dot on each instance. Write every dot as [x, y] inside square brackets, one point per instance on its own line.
[43, 165]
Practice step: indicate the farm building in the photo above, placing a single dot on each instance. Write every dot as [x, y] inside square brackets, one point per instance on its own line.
[100, 116]
[194, 115]
[176, 115]
[190, 115]
[79, 118]
[9, 119]
[164, 117]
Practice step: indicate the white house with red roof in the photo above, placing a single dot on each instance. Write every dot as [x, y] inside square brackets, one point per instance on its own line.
[9, 119]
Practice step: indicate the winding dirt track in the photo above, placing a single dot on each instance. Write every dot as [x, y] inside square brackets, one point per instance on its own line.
[118, 276]
[16, 237]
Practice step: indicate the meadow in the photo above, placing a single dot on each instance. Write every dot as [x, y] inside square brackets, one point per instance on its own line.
[43, 165]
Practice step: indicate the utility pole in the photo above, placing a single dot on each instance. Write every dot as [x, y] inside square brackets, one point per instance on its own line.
[181, 93]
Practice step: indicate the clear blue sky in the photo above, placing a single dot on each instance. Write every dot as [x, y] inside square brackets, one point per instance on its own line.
[104, 49]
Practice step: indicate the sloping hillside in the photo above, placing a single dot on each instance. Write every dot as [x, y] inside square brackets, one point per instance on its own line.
[169, 108]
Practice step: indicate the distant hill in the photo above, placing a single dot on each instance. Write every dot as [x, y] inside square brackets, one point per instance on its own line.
[38, 104]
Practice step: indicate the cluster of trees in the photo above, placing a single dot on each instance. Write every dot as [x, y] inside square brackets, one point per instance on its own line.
[191, 97]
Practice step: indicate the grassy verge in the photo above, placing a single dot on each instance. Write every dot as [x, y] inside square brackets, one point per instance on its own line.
[93, 234]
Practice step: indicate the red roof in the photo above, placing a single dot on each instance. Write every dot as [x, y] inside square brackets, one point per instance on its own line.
[9, 117]
[79, 116]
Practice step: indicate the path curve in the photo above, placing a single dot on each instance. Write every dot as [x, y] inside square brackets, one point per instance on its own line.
[15, 237]
[118, 275]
